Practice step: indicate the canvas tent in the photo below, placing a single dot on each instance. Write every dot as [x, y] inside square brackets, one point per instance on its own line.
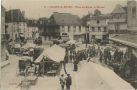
[55, 53]
[96, 77]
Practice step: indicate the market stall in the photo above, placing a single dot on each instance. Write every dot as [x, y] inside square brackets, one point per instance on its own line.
[28, 49]
[23, 64]
[50, 59]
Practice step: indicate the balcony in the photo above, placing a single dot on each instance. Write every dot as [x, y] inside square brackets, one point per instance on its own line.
[117, 20]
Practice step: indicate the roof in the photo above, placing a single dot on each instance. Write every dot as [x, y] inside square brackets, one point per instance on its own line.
[14, 15]
[127, 39]
[64, 19]
[119, 9]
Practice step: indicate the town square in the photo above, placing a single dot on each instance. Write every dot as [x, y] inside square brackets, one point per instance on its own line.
[45, 46]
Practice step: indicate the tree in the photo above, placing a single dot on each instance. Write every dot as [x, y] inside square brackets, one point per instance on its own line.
[97, 12]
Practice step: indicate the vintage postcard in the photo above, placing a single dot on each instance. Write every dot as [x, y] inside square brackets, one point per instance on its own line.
[68, 45]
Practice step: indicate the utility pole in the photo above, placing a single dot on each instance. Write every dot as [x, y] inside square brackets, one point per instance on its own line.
[87, 29]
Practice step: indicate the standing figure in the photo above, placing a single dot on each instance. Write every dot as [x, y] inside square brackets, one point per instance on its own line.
[71, 56]
[109, 56]
[101, 56]
[62, 81]
[68, 82]
[75, 65]
[105, 56]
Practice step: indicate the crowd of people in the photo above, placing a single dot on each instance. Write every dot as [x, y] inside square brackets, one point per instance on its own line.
[110, 56]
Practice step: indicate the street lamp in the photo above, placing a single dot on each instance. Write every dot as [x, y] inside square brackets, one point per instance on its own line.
[87, 31]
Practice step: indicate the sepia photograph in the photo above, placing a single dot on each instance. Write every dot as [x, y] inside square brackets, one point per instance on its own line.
[68, 45]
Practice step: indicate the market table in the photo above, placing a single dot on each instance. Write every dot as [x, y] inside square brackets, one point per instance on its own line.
[52, 72]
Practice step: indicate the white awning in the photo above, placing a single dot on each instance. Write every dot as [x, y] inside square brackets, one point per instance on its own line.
[55, 53]
[124, 42]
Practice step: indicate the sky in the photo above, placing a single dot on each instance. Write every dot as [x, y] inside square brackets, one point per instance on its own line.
[44, 8]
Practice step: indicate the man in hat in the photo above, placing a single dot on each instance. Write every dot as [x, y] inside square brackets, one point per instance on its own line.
[62, 81]
[68, 82]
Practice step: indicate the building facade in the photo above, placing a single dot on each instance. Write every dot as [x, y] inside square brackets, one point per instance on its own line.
[118, 20]
[3, 38]
[16, 25]
[32, 29]
[64, 26]
[132, 16]
[97, 25]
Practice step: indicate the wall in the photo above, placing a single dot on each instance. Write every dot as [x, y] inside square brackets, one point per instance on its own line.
[3, 39]
[2, 21]
[96, 32]
[15, 28]
[132, 19]
[102, 22]
[123, 26]
[73, 30]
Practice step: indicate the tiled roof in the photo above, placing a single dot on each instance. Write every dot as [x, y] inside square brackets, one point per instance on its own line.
[64, 19]
[128, 39]
[14, 15]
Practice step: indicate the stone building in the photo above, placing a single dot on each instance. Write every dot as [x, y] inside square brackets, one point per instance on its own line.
[3, 38]
[32, 29]
[98, 31]
[132, 15]
[64, 26]
[16, 25]
[118, 20]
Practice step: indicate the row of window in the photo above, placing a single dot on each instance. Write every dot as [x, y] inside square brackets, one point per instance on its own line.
[24, 24]
[74, 28]
[99, 29]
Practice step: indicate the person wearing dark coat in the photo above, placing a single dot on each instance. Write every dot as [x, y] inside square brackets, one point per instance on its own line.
[101, 56]
[75, 65]
[68, 82]
[109, 57]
